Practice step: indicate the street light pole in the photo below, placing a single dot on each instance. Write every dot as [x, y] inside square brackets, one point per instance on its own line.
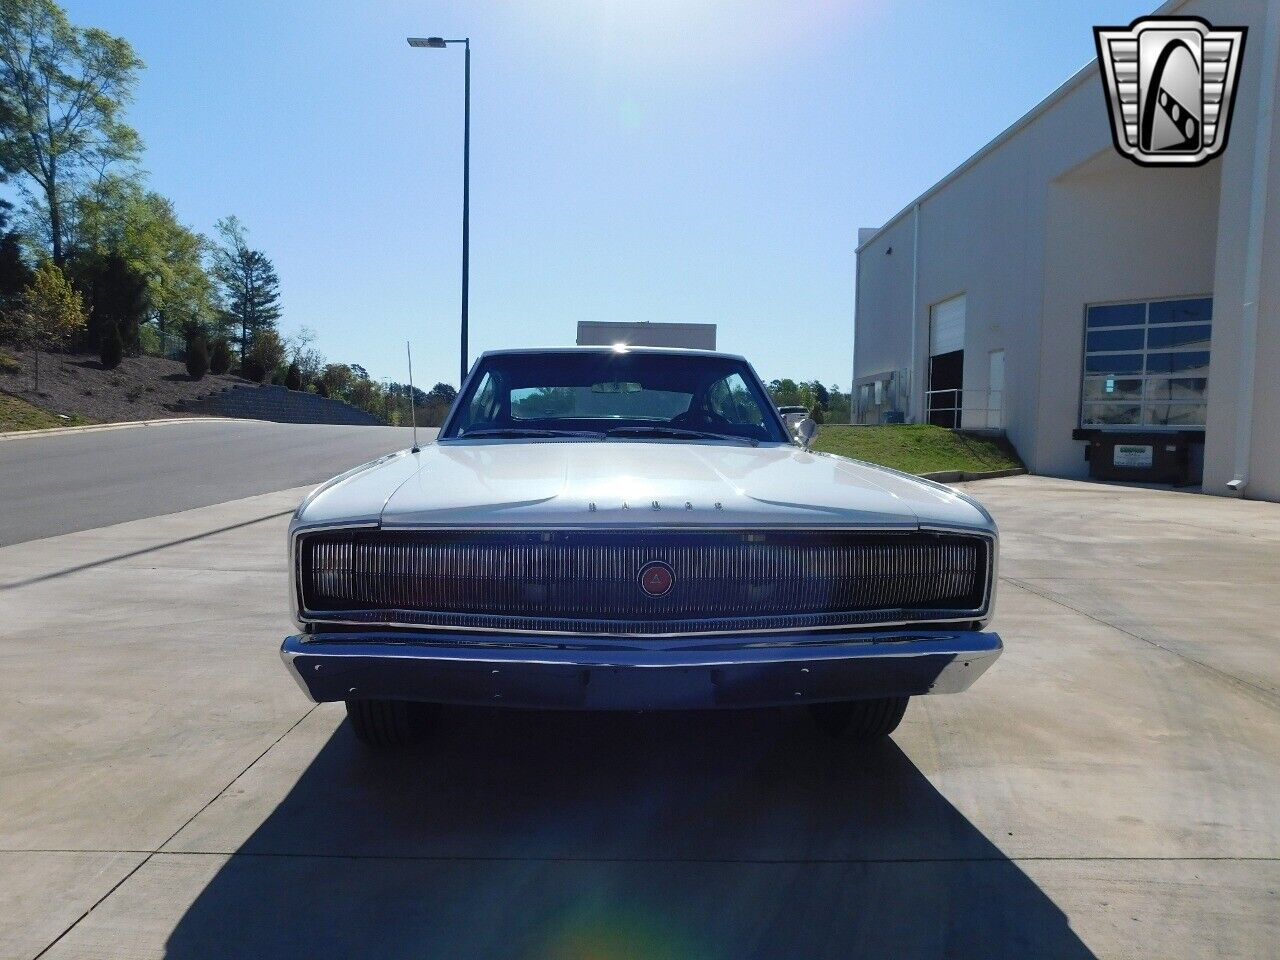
[466, 202]
[441, 43]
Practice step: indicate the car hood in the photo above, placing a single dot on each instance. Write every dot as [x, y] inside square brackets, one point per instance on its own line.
[631, 484]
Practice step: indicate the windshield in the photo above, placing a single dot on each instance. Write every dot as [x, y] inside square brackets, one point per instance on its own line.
[614, 394]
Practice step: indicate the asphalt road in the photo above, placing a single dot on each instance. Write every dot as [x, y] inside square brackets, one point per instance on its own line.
[1107, 789]
[78, 481]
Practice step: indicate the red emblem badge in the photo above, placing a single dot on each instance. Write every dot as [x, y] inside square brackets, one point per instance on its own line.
[656, 578]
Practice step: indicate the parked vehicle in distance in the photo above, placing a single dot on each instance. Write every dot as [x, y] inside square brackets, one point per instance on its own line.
[633, 529]
[791, 416]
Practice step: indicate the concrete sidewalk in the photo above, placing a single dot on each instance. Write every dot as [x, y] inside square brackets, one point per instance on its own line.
[1107, 789]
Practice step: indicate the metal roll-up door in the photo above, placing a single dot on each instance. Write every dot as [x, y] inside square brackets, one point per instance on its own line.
[946, 326]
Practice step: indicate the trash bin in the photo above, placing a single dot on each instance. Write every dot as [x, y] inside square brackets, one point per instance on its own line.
[1150, 456]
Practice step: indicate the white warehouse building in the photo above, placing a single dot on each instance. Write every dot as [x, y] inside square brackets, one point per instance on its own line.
[1088, 305]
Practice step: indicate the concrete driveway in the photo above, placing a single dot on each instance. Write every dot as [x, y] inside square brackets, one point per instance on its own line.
[1108, 789]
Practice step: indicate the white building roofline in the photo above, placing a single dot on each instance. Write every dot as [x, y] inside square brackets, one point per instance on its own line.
[1089, 69]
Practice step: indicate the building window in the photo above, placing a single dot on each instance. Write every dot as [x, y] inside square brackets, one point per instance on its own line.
[1146, 364]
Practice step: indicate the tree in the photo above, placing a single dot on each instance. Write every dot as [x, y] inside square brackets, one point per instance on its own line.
[293, 377]
[819, 393]
[219, 357]
[785, 393]
[197, 356]
[14, 272]
[363, 392]
[838, 410]
[309, 361]
[111, 348]
[442, 392]
[266, 352]
[250, 287]
[116, 296]
[116, 216]
[62, 91]
[336, 378]
[48, 313]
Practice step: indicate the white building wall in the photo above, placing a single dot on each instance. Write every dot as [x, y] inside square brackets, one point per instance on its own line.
[882, 331]
[1236, 166]
[1050, 218]
[1116, 232]
[983, 234]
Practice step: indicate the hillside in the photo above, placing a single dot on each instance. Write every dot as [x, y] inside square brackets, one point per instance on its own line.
[76, 387]
[918, 448]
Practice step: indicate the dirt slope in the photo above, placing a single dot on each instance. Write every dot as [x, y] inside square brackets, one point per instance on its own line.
[141, 388]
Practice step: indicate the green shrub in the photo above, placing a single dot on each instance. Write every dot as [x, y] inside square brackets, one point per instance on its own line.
[293, 377]
[9, 364]
[149, 341]
[265, 354]
[816, 415]
[220, 357]
[322, 388]
[111, 351]
[197, 357]
[252, 369]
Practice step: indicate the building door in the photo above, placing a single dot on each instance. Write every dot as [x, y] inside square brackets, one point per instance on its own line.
[946, 362]
[995, 390]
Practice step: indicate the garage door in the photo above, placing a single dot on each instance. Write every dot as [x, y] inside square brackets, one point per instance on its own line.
[946, 326]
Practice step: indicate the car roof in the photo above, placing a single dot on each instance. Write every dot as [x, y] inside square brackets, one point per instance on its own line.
[670, 351]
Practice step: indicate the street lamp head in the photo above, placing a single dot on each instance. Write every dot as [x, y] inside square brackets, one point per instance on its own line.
[427, 42]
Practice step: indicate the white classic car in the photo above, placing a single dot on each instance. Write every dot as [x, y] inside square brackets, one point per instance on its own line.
[633, 529]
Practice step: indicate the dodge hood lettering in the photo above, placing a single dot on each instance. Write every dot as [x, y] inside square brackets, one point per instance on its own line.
[657, 483]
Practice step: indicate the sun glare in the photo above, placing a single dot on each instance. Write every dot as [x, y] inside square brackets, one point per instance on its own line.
[703, 33]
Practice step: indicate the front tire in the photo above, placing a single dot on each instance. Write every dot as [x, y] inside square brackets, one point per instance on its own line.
[389, 723]
[860, 721]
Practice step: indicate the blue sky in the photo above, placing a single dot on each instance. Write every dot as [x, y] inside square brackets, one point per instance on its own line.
[679, 160]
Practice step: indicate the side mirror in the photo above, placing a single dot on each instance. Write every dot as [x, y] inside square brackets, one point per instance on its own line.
[806, 430]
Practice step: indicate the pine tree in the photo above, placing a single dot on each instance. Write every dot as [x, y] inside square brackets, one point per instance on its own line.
[249, 284]
[219, 357]
[197, 357]
[111, 351]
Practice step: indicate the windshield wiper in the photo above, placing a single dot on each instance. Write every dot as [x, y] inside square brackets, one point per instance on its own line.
[678, 433]
[529, 432]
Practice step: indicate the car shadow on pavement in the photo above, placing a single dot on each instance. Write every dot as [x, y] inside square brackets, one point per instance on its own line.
[522, 834]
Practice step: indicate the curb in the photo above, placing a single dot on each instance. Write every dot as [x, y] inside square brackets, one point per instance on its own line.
[960, 476]
[95, 427]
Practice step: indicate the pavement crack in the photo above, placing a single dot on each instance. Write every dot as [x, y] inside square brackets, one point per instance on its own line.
[1271, 697]
[151, 853]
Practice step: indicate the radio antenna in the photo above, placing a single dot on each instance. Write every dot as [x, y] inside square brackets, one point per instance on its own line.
[413, 413]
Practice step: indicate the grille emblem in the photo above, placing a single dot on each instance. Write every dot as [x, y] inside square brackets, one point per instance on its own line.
[656, 578]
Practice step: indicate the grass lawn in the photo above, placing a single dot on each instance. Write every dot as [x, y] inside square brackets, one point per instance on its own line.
[17, 414]
[917, 448]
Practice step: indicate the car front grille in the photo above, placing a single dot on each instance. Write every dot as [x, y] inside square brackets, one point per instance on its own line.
[574, 581]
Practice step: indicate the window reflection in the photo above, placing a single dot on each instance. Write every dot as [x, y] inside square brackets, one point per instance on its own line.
[1147, 363]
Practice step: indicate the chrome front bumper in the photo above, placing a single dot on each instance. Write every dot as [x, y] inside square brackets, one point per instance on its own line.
[510, 671]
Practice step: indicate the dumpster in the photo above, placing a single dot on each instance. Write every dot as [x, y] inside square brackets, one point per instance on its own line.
[1148, 456]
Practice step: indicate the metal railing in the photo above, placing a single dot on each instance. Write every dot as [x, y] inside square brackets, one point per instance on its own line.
[952, 408]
